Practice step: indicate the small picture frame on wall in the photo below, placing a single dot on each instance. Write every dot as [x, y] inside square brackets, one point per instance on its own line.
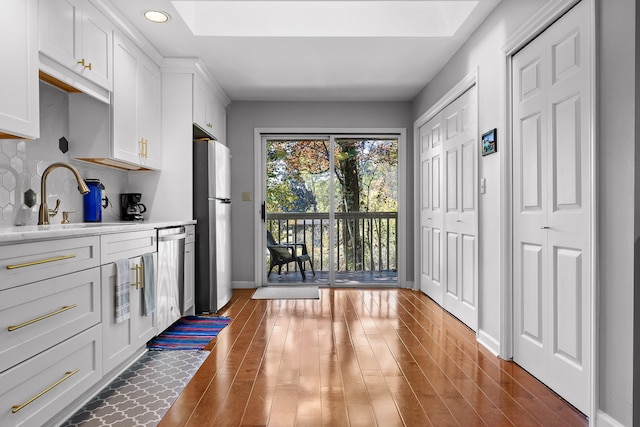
[490, 142]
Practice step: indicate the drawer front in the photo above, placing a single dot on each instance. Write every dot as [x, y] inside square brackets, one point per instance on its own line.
[191, 233]
[30, 262]
[39, 315]
[126, 245]
[63, 373]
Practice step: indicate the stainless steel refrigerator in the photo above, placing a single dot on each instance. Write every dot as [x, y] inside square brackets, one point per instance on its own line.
[212, 209]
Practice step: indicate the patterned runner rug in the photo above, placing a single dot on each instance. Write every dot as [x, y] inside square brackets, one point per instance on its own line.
[143, 393]
[189, 333]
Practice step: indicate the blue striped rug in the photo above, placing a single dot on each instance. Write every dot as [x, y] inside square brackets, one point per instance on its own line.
[189, 333]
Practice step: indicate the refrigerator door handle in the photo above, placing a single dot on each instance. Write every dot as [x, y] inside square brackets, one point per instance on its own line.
[224, 200]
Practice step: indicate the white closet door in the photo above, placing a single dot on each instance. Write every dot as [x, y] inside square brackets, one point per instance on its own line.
[431, 208]
[460, 207]
[449, 214]
[552, 198]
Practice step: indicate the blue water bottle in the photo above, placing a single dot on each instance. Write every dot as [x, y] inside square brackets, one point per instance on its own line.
[93, 201]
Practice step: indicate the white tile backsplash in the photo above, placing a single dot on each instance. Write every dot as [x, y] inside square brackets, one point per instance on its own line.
[22, 163]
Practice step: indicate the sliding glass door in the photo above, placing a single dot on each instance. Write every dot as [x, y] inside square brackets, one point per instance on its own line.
[330, 210]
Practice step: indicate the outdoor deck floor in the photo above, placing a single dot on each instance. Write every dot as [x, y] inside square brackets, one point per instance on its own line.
[343, 278]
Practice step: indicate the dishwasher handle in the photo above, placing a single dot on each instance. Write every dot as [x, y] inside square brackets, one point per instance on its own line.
[169, 237]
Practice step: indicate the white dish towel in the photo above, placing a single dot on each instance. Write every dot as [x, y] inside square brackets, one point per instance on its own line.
[148, 285]
[122, 309]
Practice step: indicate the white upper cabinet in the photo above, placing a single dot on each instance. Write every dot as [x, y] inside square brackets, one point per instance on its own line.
[19, 93]
[77, 36]
[125, 134]
[208, 113]
[136, 106]
[149, 112]
[124, 102]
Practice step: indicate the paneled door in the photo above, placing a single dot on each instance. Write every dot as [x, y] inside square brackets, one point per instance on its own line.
[431, 208]
[551, 207]
[449, 214]
[460, 202]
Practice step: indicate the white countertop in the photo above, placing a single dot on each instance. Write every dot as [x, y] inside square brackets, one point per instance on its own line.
[17, 234]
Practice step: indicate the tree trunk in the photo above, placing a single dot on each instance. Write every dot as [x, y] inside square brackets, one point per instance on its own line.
[351, 203]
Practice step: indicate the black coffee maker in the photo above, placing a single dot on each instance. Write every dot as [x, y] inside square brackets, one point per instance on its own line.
[130, 207]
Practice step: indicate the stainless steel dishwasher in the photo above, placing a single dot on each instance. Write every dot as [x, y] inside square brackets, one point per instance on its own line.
[170, 285]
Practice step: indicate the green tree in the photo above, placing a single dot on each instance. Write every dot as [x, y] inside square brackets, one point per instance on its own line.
[365, 173]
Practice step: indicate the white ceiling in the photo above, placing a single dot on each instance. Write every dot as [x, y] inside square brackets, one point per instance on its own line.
[306, 67]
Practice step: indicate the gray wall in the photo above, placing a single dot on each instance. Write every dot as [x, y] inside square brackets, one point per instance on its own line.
[617, 203]
[616, 163]
[243, 117]
[617, 86]
[636, 234]
[482, 50]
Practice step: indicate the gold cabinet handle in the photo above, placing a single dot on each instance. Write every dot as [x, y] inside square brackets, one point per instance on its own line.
[42, 261]
[22, 325]
[144, 148]
[67, 375]
[81, 62]
[137, 269]
[141, 267]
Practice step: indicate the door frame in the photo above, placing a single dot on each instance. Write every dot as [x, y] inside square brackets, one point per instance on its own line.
[549, 13]
[259, 189]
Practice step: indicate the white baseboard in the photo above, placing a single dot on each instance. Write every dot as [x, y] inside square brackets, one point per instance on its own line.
[492, 344]
[408, 285]
[243, 285]
[605, 420]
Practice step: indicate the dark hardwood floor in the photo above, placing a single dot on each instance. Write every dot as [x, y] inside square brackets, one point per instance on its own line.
[358, 357]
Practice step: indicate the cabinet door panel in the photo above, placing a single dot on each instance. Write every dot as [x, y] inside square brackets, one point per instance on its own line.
[149, 112]
[125, 109]
[144, 327]
[189, 276]
[59, 35]
[122, 340]
[117, 337]
[97, 35]
[19, 107]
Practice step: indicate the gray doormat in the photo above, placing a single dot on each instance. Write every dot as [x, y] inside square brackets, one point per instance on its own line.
[287, 292]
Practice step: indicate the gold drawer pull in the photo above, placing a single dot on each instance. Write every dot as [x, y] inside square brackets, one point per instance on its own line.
[62, 310]
[42, 261]
[67, 375]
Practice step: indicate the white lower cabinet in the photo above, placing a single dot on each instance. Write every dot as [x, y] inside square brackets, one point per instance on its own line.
[39, 315]
[34, 391]
[189, 270]
[59, 341]
[123, 340]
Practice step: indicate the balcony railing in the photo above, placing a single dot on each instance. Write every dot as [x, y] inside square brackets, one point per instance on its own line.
[364, 241]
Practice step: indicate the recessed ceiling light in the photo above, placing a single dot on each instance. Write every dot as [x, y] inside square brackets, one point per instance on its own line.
[157, 16]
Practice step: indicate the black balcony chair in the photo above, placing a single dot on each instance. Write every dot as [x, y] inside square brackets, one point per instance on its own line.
[284, 253]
